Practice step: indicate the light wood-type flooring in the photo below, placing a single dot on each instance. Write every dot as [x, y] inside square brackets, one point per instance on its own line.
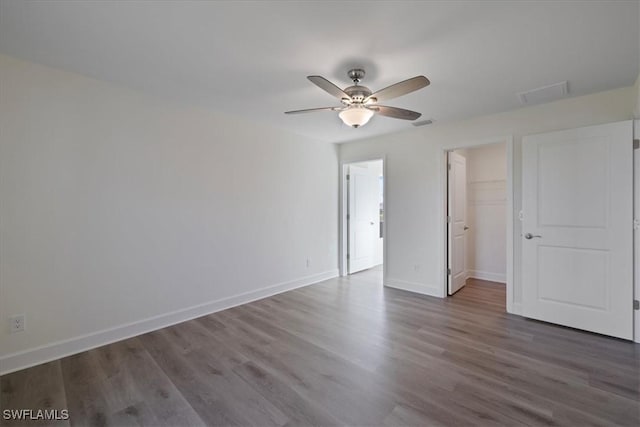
[346, 352]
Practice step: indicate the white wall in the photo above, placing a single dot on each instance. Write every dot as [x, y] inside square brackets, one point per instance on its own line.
[487, 212]
[414, 173]
[117, 208]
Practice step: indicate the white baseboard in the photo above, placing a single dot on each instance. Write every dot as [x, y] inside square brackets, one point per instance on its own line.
[46, 353]
[485, 275]
[419, 288]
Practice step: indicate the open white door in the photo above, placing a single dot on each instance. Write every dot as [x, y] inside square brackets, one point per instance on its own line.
[363, 217]
[457, 227]
[577, 228]
[636, 226]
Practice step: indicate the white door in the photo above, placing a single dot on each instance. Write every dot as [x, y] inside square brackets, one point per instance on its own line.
[577, 228]
[363, 217]
[636, 234]
[457, 217]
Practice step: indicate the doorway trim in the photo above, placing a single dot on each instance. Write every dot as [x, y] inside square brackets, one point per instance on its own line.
[512, 307]
[636, 233]
[343, 205]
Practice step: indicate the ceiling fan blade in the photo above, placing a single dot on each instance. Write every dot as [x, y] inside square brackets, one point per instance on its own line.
[400, 89]
[394, 112]
[328, 87]
[311, 110]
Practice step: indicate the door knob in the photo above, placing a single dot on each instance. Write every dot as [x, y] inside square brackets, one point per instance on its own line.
[371, 222]
[466, 228]
[530, 236]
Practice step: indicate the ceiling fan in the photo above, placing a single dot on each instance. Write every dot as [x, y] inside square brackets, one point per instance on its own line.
[359, 104]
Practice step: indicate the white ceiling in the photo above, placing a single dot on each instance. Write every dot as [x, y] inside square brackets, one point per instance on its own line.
[251, 58]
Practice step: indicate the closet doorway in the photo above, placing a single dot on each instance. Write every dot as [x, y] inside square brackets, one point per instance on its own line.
[477, 218]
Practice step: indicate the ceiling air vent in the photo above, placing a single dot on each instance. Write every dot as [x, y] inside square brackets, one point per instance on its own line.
[544, 94]
[422, 122]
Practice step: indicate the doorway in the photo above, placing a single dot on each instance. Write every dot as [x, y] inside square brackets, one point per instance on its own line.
[478, 225]
[363, 217]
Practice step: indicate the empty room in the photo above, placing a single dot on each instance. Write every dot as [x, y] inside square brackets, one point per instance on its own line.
[319, 213]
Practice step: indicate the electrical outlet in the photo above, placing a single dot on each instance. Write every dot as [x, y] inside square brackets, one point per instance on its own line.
[16, 323]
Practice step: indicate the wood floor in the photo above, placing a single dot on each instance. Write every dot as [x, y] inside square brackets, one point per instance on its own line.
[346, 352]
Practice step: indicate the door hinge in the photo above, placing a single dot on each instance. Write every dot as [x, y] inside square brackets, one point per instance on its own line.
[636, 304]
[636, 144]
[449, 271]
[448, 166]
[348, 217]
[448, 219]
[348, 177]
[636, 224]
[348, 256]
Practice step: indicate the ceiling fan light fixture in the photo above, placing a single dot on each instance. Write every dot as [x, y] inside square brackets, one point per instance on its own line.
[355, 116]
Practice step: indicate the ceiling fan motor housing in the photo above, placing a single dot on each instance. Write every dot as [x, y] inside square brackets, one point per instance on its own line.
[358, 93]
